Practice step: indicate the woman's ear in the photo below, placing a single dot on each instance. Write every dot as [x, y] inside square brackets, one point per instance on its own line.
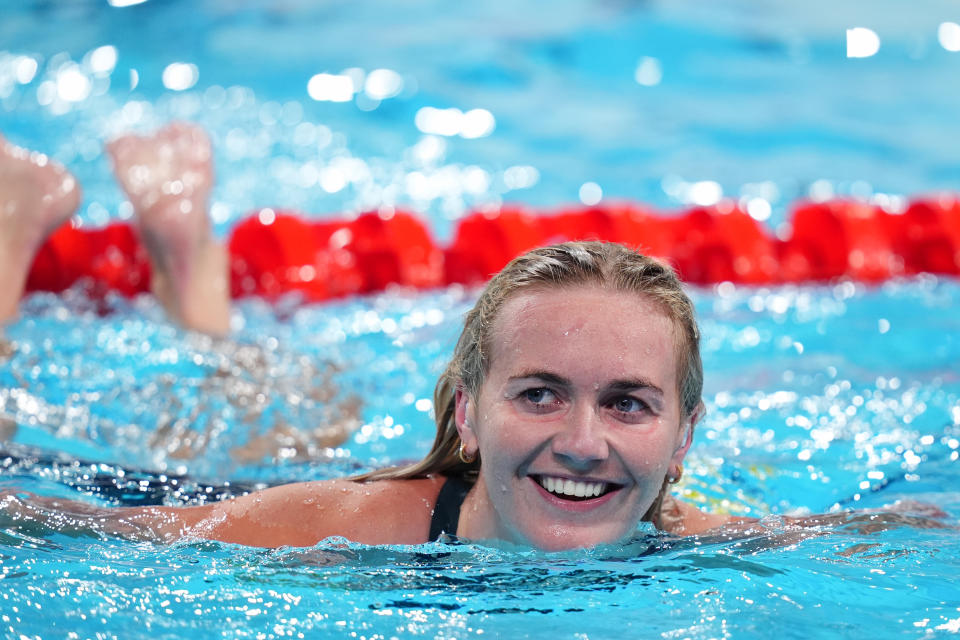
[464, 418]
[686, 433]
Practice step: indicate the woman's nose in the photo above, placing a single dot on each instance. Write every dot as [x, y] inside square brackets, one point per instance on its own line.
[581, 444]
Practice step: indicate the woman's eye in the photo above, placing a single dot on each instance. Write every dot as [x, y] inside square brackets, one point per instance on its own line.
[627, 404]
[539, 396]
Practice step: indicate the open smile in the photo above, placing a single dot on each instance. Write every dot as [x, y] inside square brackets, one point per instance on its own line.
[574, 490]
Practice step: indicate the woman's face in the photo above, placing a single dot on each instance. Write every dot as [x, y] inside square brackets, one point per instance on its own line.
[578, 420]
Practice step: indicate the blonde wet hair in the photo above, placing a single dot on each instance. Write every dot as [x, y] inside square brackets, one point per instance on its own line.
[561, 266]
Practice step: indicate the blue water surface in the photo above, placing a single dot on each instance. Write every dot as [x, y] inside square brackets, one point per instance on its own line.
[819, 398]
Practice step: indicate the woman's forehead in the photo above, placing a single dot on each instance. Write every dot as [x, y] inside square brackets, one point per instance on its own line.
[557, 306]
[583, 325]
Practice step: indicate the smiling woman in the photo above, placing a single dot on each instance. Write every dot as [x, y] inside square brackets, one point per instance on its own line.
[578, 421]
[563, 416]
[577, 379]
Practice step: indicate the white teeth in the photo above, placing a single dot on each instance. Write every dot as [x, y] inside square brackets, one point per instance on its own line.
[567, 487]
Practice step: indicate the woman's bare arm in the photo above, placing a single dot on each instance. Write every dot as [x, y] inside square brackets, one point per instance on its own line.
[382, 512]
[680, 518]
[301, 514]
[39, 515]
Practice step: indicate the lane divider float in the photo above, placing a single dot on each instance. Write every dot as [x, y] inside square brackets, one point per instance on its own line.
[283, 252]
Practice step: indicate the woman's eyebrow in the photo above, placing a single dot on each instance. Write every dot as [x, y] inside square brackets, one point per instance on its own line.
[544, 376]
[633, 384]
[630, 384]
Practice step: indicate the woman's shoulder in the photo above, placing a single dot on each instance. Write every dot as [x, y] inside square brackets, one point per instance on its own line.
[302, 514]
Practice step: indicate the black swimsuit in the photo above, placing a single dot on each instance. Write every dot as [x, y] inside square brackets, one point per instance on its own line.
[446, 513]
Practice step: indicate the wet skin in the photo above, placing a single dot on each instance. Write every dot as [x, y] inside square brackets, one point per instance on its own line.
[582, 386]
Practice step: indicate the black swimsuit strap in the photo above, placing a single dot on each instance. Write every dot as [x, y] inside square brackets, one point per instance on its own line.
[446, 513]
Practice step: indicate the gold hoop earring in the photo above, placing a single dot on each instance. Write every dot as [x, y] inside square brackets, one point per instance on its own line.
[466, 458]
[674, 479]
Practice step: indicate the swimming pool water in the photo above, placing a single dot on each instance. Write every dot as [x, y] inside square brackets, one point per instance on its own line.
[819, 398]
[800, 419]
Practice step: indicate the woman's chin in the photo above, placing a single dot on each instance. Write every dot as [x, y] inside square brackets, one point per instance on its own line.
[567, 538]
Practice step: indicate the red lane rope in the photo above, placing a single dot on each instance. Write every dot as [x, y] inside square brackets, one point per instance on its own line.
[274, 253]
